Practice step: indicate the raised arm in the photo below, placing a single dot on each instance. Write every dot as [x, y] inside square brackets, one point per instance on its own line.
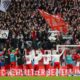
[17, 51]
[62, 52]
[25, 51]
[3, 52]
[9, 51]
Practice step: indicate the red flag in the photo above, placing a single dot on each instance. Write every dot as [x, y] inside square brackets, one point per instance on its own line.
[54, 21]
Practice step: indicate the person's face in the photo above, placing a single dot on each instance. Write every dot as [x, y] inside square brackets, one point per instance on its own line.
[57, 53]
[46, 52]
[36, 54]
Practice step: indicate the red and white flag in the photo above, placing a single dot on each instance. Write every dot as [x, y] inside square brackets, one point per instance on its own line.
[54, 21]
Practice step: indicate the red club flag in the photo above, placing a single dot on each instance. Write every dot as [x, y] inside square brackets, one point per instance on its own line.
[54, 21]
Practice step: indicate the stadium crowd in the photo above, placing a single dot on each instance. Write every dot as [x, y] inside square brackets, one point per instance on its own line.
[28, 29]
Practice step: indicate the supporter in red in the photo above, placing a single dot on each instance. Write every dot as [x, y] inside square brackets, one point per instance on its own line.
[33, 34]
[75, 56]
[78, 60]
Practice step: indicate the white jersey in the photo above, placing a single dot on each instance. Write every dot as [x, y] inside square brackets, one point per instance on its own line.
[56, 57]
[46, 58]
[28, 59]
[37, 58]
[32, 53]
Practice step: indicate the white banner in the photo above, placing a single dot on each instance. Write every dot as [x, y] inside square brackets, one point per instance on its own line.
[69, 37]
[53, 34]
[4, 4]
[4, 34]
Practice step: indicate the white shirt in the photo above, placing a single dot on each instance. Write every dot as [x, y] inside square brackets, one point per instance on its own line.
[46, 58]
[37, 58]
[28, 59]
[32, 53]
[56, 57]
